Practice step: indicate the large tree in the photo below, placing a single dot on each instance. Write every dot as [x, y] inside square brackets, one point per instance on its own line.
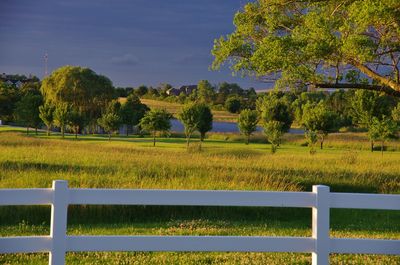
[301, 43]
[81, 88]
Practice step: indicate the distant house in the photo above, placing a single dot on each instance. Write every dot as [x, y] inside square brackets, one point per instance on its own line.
[188, 89]
[13, 81]
[173, 92]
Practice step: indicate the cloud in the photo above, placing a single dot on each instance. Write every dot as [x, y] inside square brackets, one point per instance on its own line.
[125, 59]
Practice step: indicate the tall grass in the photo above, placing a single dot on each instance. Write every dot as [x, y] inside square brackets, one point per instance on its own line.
[93, 162]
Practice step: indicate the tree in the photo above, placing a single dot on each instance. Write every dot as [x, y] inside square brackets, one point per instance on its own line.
[111, 118]
[61, 116]
[27, 110]
[81, 88]
[110, 122]
[319, 119]
[46, 113]
[396, 113]
[205, 91]
[312, 138]
[189, 116]
[132, 111]
[76, 122]
[299, 43]
[9, 96]
[141, 90]
[381, 130]
[233, 104]
[273, 108]
[156, 120]
[205, 120]
[247, 122]
[274, 131]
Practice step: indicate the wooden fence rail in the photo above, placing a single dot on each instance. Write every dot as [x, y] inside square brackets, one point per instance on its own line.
[321, 200]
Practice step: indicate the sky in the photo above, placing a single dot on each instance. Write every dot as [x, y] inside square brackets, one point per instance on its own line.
[132, 42]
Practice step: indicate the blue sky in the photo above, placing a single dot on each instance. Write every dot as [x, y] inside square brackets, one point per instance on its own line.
[132, 42]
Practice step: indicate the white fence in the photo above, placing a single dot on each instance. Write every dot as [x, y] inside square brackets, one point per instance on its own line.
[320, 200]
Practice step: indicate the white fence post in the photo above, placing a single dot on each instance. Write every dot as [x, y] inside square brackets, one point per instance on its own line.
[58, 227]
[320, 225]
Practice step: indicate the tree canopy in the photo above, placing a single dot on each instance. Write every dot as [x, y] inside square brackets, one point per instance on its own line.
[156, 120]
[320, 43]
[81, 88]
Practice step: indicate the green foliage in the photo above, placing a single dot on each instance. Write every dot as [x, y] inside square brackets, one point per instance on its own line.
[365, 105]
[111, 119]
[27, 110]
[81, 88]
[233, 104]
[396, 114]
[205, 120]
[381, 130]
[273, 108]
[9, 96]
[319, 119]
[141, 90]
[205, 91]
[300, 42]
[189, 116]
[61, 116]
[247, 122]
[156, 120]
[46, 114]
[76, 122]
[132, 111]
[273, 130]
[312, 138]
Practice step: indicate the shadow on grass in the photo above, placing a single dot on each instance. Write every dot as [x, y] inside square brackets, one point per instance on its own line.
[13, 165]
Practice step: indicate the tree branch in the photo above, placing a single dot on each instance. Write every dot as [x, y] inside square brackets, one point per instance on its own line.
[378, 88]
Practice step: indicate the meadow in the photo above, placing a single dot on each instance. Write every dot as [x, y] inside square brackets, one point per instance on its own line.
[225, 163]
[175, 108]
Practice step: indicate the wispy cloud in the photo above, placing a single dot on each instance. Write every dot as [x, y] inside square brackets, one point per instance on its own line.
[125, 59]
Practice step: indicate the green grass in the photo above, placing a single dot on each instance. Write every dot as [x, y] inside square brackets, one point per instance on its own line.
[132, 162]
[175, 108]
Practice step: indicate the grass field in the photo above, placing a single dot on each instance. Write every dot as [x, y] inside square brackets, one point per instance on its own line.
[132, 162]
[174, 108]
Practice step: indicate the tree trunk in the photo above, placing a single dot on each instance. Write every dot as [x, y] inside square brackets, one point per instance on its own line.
[48, 131]
[372, 146]
[247, 139]
[202, 136]
[154, 139]
[322, 144]
[62, 131]
[76, 134]
[187, 141]
[109, 136]
[27, 130]
[36, 130]
[382, 145]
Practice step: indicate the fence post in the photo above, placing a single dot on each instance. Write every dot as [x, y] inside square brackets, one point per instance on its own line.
[58, 229]
[320, 225]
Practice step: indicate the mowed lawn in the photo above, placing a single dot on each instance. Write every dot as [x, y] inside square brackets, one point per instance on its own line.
[132, 162]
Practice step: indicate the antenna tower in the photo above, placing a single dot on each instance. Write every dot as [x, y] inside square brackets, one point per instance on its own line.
[46, 58]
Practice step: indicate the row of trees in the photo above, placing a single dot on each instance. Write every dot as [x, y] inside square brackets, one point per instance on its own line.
[321, 113]
[229, 96]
